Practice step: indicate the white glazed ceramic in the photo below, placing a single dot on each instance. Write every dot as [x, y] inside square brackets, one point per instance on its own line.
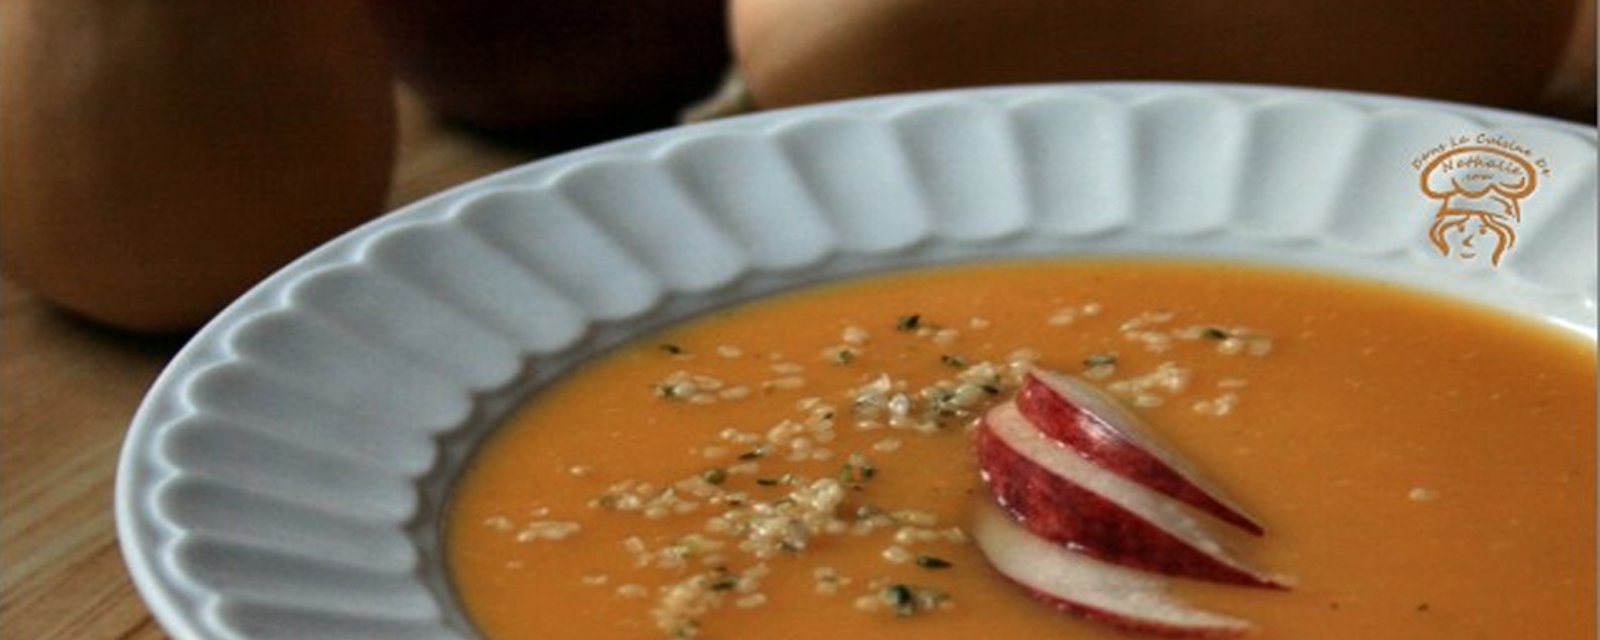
[285, 476]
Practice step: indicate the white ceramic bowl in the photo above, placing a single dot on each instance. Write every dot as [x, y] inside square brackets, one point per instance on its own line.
[286, 474]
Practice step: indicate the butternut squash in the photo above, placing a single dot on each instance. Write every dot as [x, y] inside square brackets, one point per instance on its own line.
[1523, 55]
[163, 155]
[557, 70]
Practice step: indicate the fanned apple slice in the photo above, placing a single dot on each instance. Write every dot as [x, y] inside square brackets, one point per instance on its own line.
[1078, 584]
[1101, 430]
[1062, 497]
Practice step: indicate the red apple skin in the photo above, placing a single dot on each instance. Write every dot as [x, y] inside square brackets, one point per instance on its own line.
[543, 68]
[1101, 443]
[1066, 513]
[1131, 625]
[1076, 584]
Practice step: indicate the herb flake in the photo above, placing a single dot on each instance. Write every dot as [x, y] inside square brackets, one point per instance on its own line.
[714, 476]
[932, 562]
[1100, 360]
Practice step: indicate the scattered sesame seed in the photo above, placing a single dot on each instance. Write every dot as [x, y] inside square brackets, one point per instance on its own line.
[751, 601]
[897, 554]
[1422, 494]
[547, 530]
[713, 453]
[498, 523]
[633, 591]
[793, 505]
[1219, 406]
[788, 382]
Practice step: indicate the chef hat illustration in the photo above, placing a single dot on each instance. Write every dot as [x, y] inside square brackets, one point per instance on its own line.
[1479, 180]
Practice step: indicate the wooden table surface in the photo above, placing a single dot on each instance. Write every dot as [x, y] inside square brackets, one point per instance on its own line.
[67, 393]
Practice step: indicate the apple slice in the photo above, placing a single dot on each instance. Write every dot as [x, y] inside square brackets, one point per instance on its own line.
[1078, 584]
[1101, 430]
[1062, 497]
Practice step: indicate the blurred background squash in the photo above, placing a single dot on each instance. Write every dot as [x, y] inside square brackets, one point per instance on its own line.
[557, 69]
[1524, 54]
[161, 156]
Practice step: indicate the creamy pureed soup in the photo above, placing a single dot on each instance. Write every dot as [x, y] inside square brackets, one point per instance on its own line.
[802, 467]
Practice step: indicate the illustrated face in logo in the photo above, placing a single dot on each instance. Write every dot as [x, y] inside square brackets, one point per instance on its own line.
[1479, 190]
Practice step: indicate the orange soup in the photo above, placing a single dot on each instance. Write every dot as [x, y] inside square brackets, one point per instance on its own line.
[802, 467]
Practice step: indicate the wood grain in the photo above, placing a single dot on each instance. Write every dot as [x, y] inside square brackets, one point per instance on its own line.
[68, 390]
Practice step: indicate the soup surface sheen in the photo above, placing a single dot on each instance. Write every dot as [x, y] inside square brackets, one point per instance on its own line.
[1424, 469]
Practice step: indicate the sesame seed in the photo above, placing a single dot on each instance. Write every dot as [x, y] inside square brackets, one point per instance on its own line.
[547, 530]
[788, 382]
[751, 601]
[897, 554]
[498, 523]
[1220, 406]
[633, 591]
[1422, 494]
[713, 453]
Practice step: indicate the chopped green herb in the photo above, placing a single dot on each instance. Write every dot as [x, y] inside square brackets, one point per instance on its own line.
[954, 362]
[908, 322]
[1214, 333]
[900, 597]
[1100, 360]
[991, 389]
[724, 584]
[910, 600]
[767, 482]
[844, 356]
[684, 631]
[857, 470]
[931, 562]
[671, 348]
[754, 454]
[714, 476]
